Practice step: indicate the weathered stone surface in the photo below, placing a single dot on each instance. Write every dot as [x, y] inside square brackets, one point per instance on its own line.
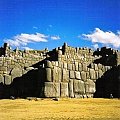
[95, 66]
[79, 87]
[84, 67]
[92, 74]
[55, 75]
[51, 89]
[65, 65]
[48, 64]
[48, 75]
[80, 67]
[71, 91]
[90, 87]
[77, 75]
[83, 76]
[88, 75]
[1, 79]
[99, 66]
[7, 79]
[64, 90]
[65, 75]
[76, 66]
[56, 63]
[100, 73]
[72, 75]
[59, 74]
[3, 68]
[69, 66]
[73, 67]
[16, 72]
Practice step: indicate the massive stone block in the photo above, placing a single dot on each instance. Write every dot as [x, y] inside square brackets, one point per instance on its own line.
[64, 90]
[69, 66]
[83, 76]
[84, 67]
[48, 64]
[71, 90]
[80, 67]
[77, 75]
[90, 87]
[79, 88]
[55, 75]
[92, 74]
[51, 89]
[72, 74]
[65, 75]
[76, 66]
[65, 65]
[48, 75]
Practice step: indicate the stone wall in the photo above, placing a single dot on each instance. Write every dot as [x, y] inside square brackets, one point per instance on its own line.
[62, 72]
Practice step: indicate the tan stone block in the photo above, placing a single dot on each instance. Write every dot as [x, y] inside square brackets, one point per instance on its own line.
[77, 75]
[71, 90]
[72, 74]
[83, 76]
[51, 89]
[64, 90]
[92, 74]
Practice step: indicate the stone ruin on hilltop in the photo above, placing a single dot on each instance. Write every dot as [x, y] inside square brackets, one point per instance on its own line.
[63, 72]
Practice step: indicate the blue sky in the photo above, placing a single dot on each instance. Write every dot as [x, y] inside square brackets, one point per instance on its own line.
[37, 24]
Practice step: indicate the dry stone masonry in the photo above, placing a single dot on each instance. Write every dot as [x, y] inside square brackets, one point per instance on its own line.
[62, 72]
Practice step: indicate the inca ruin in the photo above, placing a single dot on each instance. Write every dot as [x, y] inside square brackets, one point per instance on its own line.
[63, 72]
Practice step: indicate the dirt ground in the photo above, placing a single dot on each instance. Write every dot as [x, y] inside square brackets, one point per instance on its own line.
[64, 109]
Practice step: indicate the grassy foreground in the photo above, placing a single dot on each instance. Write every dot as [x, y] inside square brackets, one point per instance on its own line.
[64, 109]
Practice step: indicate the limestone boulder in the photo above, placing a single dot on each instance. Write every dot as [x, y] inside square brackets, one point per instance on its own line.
[71, 90]
[83, 76]
[90, 87]
[64, 90]
[51, 89]
[65, 75]
[79, 87]
[77, 75]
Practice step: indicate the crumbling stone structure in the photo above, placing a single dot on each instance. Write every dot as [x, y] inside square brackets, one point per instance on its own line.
[62, 72]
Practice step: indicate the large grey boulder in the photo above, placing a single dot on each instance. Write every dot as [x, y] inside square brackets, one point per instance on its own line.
[64, 90]
[51, 89]
[79, 87]
[90, 87]
[71, 90]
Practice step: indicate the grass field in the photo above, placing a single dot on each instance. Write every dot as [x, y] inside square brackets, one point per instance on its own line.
[64, 109]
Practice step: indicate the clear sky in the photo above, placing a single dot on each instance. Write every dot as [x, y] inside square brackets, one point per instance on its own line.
[37, 24]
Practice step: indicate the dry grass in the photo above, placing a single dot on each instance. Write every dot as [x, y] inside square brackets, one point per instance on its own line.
[64, 109]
